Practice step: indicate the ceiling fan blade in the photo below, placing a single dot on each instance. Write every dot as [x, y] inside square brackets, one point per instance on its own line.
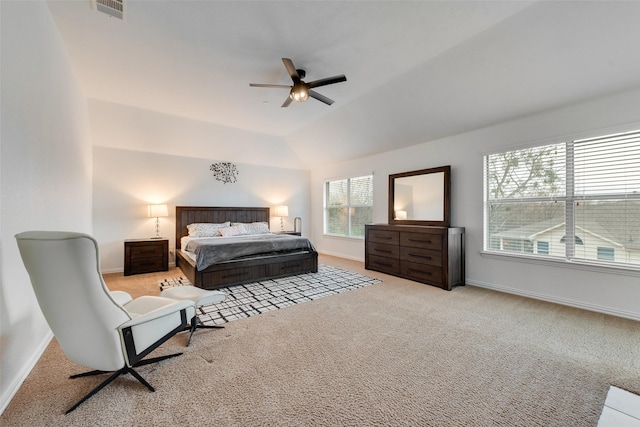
[327, 81]
[291, 69]
[321, 98]
[268, 85]
[286, 102]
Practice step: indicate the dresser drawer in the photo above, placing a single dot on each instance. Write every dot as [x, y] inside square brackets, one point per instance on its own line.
[146, 251]
[383, 236]
[421, 240]
[235, 275]
[386, 265]
[147, 265]
[384, 250]
[289, 267]
[421, 272]
[421, 256]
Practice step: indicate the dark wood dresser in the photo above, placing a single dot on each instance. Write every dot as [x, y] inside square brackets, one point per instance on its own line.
[145, 256]
[431, 255]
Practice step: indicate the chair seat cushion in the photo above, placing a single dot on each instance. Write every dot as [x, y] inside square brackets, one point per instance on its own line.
[197, 295]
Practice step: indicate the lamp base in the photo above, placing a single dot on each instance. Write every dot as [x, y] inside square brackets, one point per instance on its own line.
[156, 237]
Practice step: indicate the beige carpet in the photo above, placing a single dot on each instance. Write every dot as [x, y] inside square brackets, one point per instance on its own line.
[395, 354]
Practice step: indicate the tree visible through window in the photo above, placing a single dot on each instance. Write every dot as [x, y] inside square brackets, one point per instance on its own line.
[570, 200]
[348, 206]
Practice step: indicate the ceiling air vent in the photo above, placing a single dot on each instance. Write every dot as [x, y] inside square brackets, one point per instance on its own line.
[115, 8]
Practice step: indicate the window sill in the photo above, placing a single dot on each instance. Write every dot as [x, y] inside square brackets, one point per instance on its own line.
[340, 236]
[563, 263]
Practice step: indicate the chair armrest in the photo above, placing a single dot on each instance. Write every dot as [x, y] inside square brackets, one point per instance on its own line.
[121, 297]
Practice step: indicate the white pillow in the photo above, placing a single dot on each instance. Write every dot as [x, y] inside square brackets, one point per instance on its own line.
[205, 229]
[254, 227]
[235, 230]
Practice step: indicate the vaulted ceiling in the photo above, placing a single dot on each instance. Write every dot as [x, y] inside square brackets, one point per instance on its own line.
[415, 71]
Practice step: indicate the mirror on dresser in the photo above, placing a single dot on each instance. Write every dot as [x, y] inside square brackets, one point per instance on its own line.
[420, 197]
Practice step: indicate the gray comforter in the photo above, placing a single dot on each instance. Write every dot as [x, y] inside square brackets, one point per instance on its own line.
[219, 249]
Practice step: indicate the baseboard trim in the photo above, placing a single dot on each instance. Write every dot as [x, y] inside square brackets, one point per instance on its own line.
[12, 389]
[556, 300]
[121, 269]
[111, 270]
[341, 256]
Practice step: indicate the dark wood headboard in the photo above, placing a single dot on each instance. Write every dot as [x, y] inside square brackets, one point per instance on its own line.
[186, 215]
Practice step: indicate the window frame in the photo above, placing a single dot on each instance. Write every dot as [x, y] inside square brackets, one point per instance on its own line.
[570, 199]
[349, 206]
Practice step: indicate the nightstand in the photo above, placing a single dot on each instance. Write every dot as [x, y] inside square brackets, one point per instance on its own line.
[291, 233]
[145, 256]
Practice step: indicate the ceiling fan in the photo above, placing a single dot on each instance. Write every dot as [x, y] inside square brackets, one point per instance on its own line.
[301, 91]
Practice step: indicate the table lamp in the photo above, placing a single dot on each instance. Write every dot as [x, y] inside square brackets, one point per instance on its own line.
[282, 211]
[157, 211]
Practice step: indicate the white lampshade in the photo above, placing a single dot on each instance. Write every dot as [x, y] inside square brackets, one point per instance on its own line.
[156, 211]
[401, 214]
[281, 211]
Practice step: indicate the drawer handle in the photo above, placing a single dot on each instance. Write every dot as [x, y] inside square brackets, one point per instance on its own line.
[147, 263]
[289, 267]
[226, 276]
[386, 251]
[383, 264]
[420, 241]
[384, 237]
[150, 252]
[420, 256]
[411, 270]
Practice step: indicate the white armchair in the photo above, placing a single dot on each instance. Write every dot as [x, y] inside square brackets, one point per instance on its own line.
[105, 331]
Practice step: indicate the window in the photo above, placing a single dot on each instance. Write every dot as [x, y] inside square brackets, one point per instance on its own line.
[348, 206]
[606, 254]
[574, 200]
[543, 248]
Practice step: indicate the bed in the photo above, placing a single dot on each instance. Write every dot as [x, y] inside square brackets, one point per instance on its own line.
[248, 268]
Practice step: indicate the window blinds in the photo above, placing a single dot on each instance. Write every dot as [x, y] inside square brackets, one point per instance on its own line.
[606, 197]
[348, 205]
[578, 200]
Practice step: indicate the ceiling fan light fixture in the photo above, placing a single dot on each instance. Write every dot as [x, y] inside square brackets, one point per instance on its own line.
[299, 93]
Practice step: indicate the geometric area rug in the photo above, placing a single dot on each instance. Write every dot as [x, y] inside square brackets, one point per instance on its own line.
[255, 298]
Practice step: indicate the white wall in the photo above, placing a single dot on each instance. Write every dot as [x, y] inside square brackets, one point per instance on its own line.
[130, 128]
[143, 157]
[613, 293]
[45, 168]
[126, 181]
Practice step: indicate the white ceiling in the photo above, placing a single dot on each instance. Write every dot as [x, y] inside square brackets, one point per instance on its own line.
[416, 70]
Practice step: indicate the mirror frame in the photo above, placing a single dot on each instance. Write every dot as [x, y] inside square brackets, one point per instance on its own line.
[447, 198]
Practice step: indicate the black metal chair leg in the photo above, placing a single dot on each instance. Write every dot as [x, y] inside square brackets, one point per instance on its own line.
[156, 359]
[88, 374]
[197, 324]
[98, 388]
[142, 380]
[116, 374]
[192, 329]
